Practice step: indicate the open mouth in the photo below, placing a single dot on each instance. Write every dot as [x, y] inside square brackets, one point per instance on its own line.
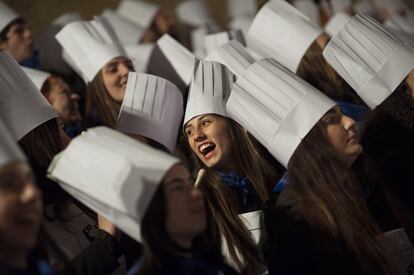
[207, 149]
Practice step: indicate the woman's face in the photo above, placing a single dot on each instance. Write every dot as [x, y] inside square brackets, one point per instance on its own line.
[115, 76]
[19, 41]
[20, 207]
[185, 210]
[63, 100]
[342, 134]
[209, 138]
[63, 137]
[164, 21]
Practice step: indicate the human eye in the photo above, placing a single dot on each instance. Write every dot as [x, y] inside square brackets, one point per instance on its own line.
[205, 122]
[189, 132]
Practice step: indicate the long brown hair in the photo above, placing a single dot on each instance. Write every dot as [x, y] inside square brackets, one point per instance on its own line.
[224, 207]
[328, 197]
[315, 70]
[99, 105]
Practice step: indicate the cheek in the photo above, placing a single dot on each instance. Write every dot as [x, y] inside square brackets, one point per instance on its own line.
[336, 136]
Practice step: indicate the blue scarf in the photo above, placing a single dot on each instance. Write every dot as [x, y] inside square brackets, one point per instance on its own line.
[356, 112]
[233, 180]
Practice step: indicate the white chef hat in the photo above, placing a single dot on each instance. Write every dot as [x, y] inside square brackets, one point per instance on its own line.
[241, 8]
[153, 108]
[209, 90]
[399, 24]
[282, 32]
[36, 76]
[23, 107]
[234, 56]
[9, 150]
[215, 40]
[90, 45]
[276, 106]
[181, 59]
[341, 5]
[197, 41]
[336, 23]
[67, 18]
[126, 30]
[113, 174]
[140, 55]
[7, 15]
[194, 13]
[372, 60]
[308, 8]
[141, 12]
[241, 23]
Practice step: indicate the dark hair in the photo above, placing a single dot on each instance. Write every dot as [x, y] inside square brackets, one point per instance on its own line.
[98, 102]
[317, 178]
[315, 70]
[5, 31]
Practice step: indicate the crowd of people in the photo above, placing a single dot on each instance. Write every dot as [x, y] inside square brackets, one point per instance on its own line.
[152, 141]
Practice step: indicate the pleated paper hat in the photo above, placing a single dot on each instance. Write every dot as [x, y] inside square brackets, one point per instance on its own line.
[127, 31]
[283, 33]
[36, 76]
[215, 40]
[90, 45]
[241, 23]
[372, 60]
[209, 90]
[153, 108]
[7, 15]
[67, 18]
[112, 174]
[140, 55]
[194, 13]
[234, 56]
[23, 107]
[141, 12]
[9, 150]
[336, 23]
[308, 8]
[241, 8]
[277, 107]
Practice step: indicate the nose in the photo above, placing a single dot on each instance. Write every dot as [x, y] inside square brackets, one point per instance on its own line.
[199, 135]
[74, 97]
[30, 193]
[28, 33]
[348, 122]
[196, 194]
[123, 70]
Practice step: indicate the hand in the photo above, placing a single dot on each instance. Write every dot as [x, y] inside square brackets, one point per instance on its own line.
[108, 227]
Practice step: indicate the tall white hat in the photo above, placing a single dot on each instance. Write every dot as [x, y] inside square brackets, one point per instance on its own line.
[113, 174]
[181, 59]
[36, 76]
[9, 150]
[23, 107]
[194, 13]
[372, 60]
[209, 90]
[140, 55]
[336, 23]
[7, 15]
[241, 23]
[234, 56]
[399, 24]
[67, 18]
[140, 12]
[308, 8]
[241, 8]
[215, 40]
[126, 30]
[197, 41]
[340, 5]
[90, 45]
[277, 107]
[282, 32]
[153, 108]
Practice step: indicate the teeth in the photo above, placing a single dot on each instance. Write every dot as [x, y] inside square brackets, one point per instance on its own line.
[205, 146]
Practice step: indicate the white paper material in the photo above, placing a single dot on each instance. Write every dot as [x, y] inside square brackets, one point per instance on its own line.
[241, 8]
[254, 222]
[9, 150]
[399, 23]
[372, 60]
[36, 76]
[67, 18]
[277, 107]
[127, 31]
[234, 56]
[181, 59]
[141, 12]
[336, 23]
[7, 15]
[281, 32]
[209, 90]
[197, 41]
[22, 106]
[140, 55]
[153, 108]
[363, 7]
[113, 174]
[194, 13]
[341, 5]
[308, 8]
[90, 45]
[215, 40]
[241, 23]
